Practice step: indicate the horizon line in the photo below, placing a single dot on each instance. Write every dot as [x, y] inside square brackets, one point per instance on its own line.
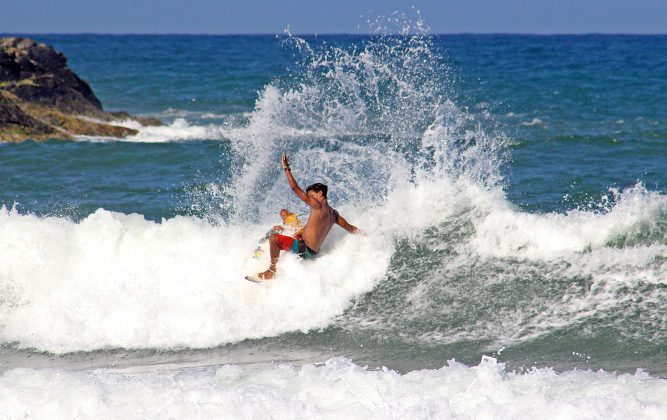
[335, 33]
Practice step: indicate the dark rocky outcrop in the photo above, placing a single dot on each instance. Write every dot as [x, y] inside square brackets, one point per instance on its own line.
[41, 97]
[16, 125]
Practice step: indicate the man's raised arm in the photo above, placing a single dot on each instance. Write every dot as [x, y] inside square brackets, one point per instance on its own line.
[295, 187]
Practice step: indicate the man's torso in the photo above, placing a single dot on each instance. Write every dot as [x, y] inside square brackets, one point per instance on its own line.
[318, 226]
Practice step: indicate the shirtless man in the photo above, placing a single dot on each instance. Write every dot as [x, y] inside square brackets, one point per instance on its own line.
[321, 219]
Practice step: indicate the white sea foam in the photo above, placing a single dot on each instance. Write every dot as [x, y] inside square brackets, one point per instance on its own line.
[619, 250]
[179, 130]
[116, 280]
[337, 389]
[505, 231]
[619, 253]
[531, 123]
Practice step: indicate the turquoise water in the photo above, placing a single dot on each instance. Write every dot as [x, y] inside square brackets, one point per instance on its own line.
[512, 189]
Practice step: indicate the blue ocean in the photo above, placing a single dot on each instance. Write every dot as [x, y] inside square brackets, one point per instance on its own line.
[511, 190]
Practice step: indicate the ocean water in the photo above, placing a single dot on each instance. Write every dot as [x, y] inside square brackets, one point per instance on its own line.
[511, 190]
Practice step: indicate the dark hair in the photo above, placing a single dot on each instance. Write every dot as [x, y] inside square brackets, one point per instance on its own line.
[317, 187]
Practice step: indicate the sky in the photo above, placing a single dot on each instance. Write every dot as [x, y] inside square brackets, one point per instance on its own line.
[333, 16]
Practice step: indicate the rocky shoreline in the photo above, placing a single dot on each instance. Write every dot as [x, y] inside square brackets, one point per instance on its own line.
[42, 98]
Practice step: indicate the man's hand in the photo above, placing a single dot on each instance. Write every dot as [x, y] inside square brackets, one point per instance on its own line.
[294, 186]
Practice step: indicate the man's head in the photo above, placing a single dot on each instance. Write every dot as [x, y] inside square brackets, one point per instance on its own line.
[318, 188]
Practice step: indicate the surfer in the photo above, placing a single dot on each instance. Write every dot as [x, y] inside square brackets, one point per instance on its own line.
[322, 217]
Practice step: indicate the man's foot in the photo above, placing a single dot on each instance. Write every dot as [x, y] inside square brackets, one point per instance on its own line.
[266, 275]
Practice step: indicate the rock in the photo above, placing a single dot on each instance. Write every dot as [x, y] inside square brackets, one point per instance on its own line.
[37, 73]
[77, 125]
[16, 125]
[41, 97]
[122, 115]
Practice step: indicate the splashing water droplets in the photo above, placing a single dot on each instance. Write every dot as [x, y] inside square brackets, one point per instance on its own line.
[367, 110]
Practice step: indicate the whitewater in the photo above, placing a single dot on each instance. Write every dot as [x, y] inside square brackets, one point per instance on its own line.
[335, 389]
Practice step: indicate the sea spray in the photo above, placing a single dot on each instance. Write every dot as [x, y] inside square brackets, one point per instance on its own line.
[364, 118]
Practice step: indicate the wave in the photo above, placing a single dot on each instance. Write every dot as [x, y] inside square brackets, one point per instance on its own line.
[119, 281]
[116, 280]
[484, 271]
[446, 257]
[632, 217]
[533, 122]
[335, 389]
[179, 130]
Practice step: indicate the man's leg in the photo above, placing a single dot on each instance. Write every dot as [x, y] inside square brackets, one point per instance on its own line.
[276, 243]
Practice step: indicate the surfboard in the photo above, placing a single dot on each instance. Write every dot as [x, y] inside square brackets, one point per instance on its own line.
[253, 279]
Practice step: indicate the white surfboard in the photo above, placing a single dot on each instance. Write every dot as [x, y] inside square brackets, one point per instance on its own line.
[253, 279]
